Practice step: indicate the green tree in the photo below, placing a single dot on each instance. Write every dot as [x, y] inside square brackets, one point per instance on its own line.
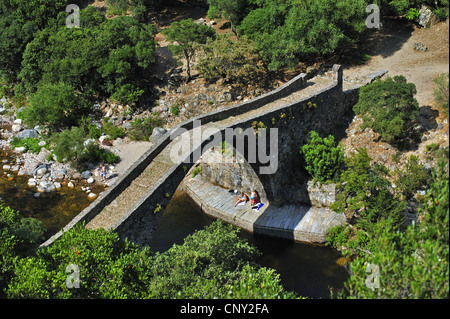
[188, 35]
[366, 194]
[212, 263]
[108, 267]
[322, 157]
[56, 106]
[232, 10]
[388, 107]
[288, 32]
[238, 61]
[19, 237]
[414, 263]
[72, 146]
[412, 177]
[107, 57]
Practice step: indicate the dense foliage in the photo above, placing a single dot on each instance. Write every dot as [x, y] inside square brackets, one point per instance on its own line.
[187, 34]
[107, 57]
[19, 237]
[56, 106]
[366, 193]
[389, 108]
[234, 61]
[441, 91]
[291, 31]
[75, 147]
[212, 263]
[413, 263]
[323, 159]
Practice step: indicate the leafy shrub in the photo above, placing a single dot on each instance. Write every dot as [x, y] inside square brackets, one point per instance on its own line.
[211, 263]
[413, 263]
[95, 154]
[113, 131]
[69, 146]
[441, 89]
[56, 106]
[141, 130]
[197, 171]
[365, 193]
[412, 177]
[441, 13]
[175, 109]
[127, 94]
[26, 233]
[347, 239]
[323, 159]
[237, 61]
[94, 131]
[388, 107]
[30, 144]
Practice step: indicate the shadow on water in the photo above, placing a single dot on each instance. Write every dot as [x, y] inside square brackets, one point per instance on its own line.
[306, 269]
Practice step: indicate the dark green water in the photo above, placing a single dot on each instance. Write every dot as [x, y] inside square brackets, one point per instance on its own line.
[307, 269]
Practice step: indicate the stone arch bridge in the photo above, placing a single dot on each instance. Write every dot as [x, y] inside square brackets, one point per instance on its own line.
[133, 205]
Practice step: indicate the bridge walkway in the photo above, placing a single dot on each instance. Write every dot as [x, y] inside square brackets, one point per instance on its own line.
[298, 222]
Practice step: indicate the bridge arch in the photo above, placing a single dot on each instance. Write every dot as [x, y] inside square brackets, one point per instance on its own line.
[292, 117]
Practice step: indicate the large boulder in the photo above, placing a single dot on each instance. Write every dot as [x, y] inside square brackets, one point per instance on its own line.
[29, 133]
[157, 133]
[426, 17]
[226, 97]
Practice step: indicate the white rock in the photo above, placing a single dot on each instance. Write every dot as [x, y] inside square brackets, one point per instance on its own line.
[18, 121]
[6, 167]
[20, 149]
[92, 196]
[70, 185]
[32, 182]
[90, 180]
[16, 128]
[41, 171]
[57, 185]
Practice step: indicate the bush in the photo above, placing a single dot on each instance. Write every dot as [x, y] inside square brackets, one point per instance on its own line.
[69, 146]
[141, 130]
[365, 193]
[30, 144]
[412, 178]
[94, 153]
[175, 109]
[323, 159]
[113, 131]
[56, 106]
[237, 61]
[389, 108]
[94, 132]
[441, 89]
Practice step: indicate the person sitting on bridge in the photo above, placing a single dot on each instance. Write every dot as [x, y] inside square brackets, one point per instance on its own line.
[254, 198]
[244, 199]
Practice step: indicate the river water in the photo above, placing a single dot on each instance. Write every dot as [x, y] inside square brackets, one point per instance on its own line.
[309, 270]
[55, 209]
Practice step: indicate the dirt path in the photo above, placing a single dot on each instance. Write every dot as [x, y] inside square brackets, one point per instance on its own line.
[392, 49]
